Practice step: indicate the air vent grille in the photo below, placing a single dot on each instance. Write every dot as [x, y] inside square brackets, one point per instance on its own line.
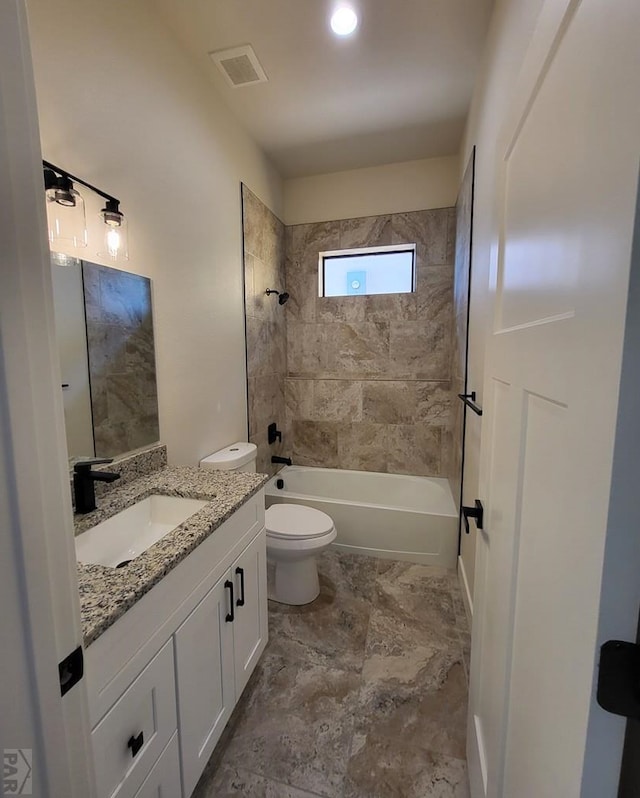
[240, 66]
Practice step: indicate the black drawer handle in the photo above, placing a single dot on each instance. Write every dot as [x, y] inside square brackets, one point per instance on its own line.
[240, 601]
[135, 743]
[230, 616]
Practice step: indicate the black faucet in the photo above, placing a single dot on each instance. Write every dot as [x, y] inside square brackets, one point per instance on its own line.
[283, 460]
[83, 483]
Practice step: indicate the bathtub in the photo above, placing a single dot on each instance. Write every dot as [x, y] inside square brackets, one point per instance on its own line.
[384, 515]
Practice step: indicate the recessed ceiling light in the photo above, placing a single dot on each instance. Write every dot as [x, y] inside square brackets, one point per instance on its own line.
[344, 21]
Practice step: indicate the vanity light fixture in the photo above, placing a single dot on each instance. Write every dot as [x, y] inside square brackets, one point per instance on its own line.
[344, 20]
[66, 215]
[66, 219]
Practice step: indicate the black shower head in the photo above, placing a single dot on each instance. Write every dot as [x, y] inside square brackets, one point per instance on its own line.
[282, 296]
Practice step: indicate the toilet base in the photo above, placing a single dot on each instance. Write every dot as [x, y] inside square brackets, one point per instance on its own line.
[296, 582]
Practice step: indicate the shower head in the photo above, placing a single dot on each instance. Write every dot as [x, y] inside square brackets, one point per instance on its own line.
[282, 296]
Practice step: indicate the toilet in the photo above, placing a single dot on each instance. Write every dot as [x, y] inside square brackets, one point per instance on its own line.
[295, 533]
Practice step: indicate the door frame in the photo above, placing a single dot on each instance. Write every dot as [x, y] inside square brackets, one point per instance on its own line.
[39, 581]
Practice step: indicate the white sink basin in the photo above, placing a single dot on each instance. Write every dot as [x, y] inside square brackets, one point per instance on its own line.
[129, 533]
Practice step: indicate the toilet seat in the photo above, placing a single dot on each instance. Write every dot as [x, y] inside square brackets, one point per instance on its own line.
[296, 522]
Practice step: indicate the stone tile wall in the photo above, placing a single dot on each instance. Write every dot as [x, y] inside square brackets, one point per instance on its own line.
[368, 383]
[122, 368]
[266, 330]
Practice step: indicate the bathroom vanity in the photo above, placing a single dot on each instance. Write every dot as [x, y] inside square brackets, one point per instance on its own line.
[172, 638]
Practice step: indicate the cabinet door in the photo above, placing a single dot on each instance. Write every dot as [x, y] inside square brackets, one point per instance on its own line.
[250, 633]
[205, 679]
[164, 779]
[136, 730]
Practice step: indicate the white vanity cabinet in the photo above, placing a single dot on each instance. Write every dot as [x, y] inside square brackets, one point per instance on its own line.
[164, 678]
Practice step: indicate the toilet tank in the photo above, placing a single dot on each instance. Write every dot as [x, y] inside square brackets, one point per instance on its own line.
[237, 457]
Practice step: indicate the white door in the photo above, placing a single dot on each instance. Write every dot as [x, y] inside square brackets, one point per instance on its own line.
[563, 233]
[44, 737]
[250, 625]
[204, 679]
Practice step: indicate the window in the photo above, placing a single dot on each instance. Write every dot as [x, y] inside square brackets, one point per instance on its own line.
[371, 270]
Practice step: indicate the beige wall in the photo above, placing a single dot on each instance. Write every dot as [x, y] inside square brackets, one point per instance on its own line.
[393, 188]
[509, 34]
[121, 106]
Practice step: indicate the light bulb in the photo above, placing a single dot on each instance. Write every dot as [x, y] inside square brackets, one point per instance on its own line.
[113, 242]
[344, 21]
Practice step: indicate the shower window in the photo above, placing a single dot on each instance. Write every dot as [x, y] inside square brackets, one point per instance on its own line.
[369, 270]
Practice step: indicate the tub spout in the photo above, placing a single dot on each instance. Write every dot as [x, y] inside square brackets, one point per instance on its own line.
[283, 460]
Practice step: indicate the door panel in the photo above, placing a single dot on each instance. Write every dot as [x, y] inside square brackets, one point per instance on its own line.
[205, 680]
[562, 247]
[250, 627]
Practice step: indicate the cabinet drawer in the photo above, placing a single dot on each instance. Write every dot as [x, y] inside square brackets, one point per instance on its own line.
[141, 721]
[164, 779]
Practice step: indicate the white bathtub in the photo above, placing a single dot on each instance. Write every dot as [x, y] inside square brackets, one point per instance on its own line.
[385, 515]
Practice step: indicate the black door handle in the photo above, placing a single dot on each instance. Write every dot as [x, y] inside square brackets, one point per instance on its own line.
[135, 743]
[476, 512]
[230, 616]
[240, 600]
[618, 674]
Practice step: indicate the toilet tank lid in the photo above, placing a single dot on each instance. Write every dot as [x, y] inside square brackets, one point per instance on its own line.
[230, 457]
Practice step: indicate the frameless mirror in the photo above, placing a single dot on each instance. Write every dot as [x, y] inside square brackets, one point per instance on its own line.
[104, 332]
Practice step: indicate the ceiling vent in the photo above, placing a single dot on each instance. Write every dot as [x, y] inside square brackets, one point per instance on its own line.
[240, 66]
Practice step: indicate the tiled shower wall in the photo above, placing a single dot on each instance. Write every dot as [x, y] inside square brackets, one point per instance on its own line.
[368, 383]
[263, 235]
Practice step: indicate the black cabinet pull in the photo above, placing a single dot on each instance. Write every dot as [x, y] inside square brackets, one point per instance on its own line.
[240, 601]
[135, 743]
[230, 616]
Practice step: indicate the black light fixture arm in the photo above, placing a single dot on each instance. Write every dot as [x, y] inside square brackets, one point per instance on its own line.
[73, 178]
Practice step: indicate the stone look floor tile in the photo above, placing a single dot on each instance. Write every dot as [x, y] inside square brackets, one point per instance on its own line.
[297, 725]
[228, 782]
[332, 630]
[361, 694]
[404, 771]
[419, 694]
[412, 594]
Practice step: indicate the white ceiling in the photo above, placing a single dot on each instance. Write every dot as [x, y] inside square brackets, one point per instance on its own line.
[398, 89]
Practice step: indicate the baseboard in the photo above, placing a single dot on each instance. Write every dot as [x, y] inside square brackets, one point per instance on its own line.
[476, 759]
[466, 593]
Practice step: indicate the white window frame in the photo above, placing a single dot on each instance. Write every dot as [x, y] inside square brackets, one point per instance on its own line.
[362, 251]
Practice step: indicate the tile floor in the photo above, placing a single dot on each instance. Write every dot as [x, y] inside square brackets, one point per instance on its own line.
[361, 694]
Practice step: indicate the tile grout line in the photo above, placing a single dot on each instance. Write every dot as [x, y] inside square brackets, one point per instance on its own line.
[281, 783]
[364, 658]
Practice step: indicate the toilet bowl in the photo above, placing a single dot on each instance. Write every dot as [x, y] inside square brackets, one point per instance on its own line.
[295, 535]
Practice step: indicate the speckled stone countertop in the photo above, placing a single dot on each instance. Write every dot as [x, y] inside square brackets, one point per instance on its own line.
[107, 593]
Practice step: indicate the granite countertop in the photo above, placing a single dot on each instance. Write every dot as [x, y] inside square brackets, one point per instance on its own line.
[107, 593]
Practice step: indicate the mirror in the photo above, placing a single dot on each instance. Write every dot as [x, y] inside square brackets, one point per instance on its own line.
[104, 332]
